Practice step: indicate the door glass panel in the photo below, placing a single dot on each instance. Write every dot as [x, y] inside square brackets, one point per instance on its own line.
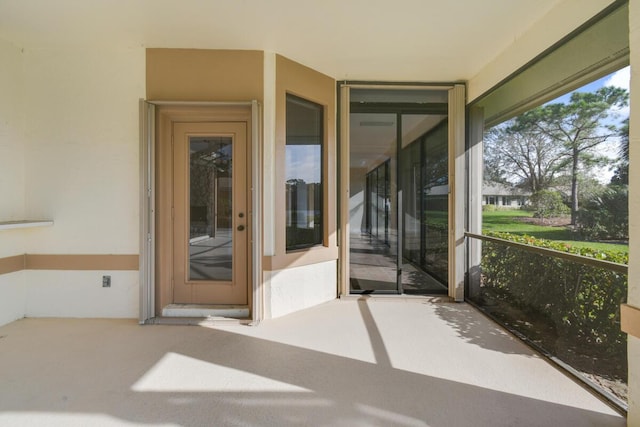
[210, 208]
[373, 203]
[424, 174]
[435, 238]
[411, 173]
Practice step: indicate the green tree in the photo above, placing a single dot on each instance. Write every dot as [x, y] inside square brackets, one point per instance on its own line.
[578, 126]
[517, 151]
[621, 174]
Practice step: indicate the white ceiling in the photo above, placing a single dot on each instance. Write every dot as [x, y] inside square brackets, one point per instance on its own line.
[419, 40]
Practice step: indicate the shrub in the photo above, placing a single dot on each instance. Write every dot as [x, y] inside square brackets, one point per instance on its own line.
[583, 302]
[547, 204]
[607, 216]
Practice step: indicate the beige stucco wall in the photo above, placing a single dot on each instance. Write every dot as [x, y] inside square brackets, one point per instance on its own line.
[77, 163]
[12, 146]
[12, 176]
[296, 280]
[82, 150]
[296, 288]
[556, 24]
[204, 75]
[634, 207]
[11, 134]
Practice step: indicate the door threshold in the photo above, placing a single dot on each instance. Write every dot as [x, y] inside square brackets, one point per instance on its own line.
[434, 298]
[206, 311]
[197, 321]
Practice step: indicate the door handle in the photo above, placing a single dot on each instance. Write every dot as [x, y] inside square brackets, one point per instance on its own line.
[240, 227]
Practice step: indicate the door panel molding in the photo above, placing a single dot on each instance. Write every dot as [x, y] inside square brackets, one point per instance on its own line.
[186, 289]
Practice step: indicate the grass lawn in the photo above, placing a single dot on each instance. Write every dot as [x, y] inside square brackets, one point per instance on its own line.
[507, 221]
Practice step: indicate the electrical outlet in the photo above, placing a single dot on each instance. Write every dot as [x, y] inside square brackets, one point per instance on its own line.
[106, 281]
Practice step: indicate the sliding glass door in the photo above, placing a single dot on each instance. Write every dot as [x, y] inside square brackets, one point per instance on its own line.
[374, 236]
[424, 177]
[398, 198]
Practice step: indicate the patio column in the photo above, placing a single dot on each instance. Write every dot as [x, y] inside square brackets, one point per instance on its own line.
[633, 298]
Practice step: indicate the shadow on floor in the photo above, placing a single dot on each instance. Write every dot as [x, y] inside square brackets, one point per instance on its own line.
[464, 320]
[196, 376]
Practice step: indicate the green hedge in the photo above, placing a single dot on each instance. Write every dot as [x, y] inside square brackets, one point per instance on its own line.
[582, 302]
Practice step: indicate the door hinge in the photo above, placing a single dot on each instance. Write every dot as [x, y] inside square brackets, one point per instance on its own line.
[149, 237]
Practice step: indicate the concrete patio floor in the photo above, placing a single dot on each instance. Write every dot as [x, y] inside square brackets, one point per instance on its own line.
[366, 362]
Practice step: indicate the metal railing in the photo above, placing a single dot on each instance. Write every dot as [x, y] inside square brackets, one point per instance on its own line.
[593, 262]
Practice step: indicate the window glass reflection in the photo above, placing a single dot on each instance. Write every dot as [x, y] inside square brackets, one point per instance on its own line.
[303, 173]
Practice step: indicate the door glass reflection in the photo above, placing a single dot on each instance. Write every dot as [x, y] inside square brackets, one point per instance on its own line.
[210, 208]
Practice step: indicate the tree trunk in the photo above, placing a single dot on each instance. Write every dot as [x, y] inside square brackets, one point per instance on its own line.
[574, 187]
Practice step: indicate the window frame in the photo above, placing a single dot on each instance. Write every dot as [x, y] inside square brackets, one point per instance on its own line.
[321, 112]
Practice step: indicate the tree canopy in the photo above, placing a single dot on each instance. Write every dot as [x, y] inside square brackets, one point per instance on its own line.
[556, 139]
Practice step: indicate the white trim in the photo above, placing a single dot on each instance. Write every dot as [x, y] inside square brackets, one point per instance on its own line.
[269, 155]
[147, 214]
[256, 215]
[211, 312]
[343, 194]
[25, 223]
[457, 177]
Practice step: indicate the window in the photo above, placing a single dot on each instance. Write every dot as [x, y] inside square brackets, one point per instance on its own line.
[303, 172]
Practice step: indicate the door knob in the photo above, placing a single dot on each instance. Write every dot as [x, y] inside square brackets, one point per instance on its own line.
[240, 227]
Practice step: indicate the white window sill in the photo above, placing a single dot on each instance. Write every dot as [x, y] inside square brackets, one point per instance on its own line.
[25, 223]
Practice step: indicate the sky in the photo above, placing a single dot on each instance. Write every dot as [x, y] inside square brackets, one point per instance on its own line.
[303, 162]
[620, 78]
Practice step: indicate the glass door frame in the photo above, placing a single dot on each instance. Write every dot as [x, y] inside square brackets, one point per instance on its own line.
[455, 111]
